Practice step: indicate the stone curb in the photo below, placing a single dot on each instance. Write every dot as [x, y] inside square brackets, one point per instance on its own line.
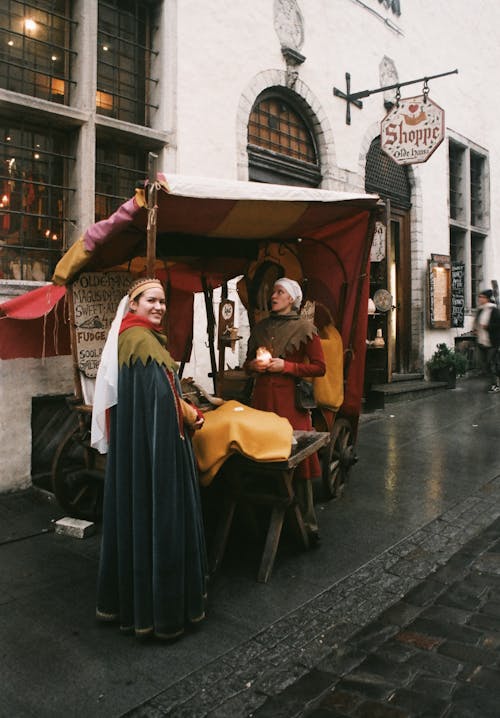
[287, 653]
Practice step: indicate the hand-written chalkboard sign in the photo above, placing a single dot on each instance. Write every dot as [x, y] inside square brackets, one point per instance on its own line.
[96, 297]
[457, 294]
[439, 292]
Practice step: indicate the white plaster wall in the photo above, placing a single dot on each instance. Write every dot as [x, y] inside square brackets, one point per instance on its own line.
[20, 381]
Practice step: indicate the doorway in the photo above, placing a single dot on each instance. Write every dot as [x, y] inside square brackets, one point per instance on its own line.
[393, 273]
[399, 285]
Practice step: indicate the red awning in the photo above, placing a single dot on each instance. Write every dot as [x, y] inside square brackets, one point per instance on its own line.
[43, 330]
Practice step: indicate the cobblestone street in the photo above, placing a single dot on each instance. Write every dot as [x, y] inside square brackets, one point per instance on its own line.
[395, 614]
[435, 652]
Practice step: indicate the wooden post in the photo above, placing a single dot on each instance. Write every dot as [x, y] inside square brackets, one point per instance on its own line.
[152, 212]
[208, 294]
[222, 348]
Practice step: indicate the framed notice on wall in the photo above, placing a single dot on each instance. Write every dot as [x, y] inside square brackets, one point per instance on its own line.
[439, 291]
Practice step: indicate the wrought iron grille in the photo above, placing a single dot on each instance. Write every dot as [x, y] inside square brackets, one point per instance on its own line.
[385, 177]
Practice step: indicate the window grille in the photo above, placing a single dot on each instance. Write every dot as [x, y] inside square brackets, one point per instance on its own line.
[275, 126]
[469, 211]
[118, 169]
[124, 55]
[281, 146]
[33, 200]
[35, 48]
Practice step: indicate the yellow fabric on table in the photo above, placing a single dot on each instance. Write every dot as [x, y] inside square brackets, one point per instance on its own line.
[329, 389]
[236, 428]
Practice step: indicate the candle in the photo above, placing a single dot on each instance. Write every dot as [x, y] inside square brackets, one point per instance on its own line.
[263, 356]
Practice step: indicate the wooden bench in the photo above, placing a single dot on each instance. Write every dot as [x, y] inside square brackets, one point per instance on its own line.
[248, 482]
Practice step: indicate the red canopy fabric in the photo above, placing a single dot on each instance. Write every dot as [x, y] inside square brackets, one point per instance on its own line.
[43, 330]
[216, 224]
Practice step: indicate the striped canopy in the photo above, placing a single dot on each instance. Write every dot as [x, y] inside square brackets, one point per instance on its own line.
[208, 231]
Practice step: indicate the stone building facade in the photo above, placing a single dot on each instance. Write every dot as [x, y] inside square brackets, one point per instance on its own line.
[91, 87]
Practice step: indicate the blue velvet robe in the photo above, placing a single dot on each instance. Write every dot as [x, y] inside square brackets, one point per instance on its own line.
[152, 572]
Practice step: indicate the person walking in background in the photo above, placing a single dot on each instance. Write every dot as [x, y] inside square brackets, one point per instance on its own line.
[487, 331]
[152, 570]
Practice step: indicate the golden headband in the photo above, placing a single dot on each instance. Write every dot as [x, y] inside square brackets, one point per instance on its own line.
[143, 285]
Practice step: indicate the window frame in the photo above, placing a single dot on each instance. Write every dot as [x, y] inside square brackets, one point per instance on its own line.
[463, 226]
[38, 204]
[112, 98]
[25, 71]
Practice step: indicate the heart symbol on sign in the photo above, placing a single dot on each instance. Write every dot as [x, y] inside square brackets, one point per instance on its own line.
[413, 108]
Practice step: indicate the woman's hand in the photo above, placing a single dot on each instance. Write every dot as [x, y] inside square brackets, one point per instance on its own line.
[198, 423]
[276, 365]
[258, 365]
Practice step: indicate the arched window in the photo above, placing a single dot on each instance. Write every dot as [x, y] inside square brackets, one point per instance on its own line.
[281, 145]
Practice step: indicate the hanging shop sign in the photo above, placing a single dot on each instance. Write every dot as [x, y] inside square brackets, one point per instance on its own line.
[412, 130]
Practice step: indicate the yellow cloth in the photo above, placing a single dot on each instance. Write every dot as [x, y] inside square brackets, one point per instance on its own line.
[71, 262]
[329, 389]
[234, 427]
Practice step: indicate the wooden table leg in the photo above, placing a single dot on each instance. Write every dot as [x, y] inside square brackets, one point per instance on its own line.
[271, 545]
[221, 534]
[298, 525]
[294, 512]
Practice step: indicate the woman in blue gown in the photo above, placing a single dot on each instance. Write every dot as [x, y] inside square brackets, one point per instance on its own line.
[152, 571]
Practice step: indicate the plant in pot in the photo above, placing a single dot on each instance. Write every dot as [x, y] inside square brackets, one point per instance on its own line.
[446, 364]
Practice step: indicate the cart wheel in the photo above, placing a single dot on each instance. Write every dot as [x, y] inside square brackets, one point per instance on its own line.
[78, 476]
[338, 458]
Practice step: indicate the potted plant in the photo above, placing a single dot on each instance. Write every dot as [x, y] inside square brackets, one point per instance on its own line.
[446, 364]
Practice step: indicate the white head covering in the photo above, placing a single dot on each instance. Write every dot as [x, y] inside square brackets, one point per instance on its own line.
[293, 289]
[106, 383]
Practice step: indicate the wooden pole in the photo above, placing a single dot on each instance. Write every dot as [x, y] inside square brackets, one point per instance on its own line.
[152, 212]
[207, 293]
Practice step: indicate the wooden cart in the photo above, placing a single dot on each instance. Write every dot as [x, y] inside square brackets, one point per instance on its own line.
[196, 234]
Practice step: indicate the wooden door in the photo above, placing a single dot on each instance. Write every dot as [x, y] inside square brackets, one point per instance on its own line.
[399, 281]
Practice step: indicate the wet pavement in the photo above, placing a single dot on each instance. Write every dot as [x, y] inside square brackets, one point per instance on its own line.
[336, 631]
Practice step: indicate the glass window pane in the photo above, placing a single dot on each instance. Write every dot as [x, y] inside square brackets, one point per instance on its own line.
[275, 126]
[125, 29]
[457, 245]
[33, 200]
[477, 270]
[118, 169]
[35, 48]
[477, 189]
[457, 170]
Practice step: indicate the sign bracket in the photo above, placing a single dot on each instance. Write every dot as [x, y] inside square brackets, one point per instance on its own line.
[354, 98]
